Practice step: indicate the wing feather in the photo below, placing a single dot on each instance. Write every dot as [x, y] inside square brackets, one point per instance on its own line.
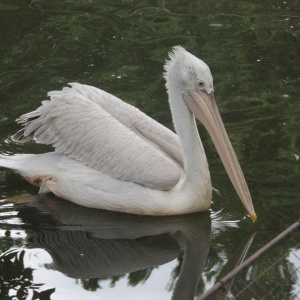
[133, 118]
[104, 133]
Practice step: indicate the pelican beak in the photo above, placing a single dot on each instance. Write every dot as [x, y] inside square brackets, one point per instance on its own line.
[205, 109]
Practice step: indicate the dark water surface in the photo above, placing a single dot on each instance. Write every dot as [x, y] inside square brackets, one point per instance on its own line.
[253, 49]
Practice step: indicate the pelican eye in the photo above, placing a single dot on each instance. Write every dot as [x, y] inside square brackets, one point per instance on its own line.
[200, 84]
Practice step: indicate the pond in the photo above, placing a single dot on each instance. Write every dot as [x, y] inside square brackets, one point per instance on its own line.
[53, 249]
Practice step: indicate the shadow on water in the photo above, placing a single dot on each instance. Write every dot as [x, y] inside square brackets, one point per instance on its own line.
[93, 244]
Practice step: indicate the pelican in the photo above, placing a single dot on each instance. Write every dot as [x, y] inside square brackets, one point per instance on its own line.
[110, 155]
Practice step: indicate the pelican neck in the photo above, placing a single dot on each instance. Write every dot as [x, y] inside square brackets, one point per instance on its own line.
[195, 162]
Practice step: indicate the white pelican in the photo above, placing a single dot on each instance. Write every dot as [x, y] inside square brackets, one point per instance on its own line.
[109, 155]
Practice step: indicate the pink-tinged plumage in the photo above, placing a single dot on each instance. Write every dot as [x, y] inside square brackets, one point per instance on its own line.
[110, 155]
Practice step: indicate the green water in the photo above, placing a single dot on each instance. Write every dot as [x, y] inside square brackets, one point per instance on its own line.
[253, 50]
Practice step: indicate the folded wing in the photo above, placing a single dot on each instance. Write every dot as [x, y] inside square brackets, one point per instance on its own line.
[106, 134]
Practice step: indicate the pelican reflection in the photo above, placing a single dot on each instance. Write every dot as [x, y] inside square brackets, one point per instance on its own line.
[86, 243]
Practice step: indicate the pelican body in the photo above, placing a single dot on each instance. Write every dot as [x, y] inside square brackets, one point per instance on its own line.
[110, 155]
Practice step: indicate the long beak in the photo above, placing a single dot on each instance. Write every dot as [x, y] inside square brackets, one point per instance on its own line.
[205, 109]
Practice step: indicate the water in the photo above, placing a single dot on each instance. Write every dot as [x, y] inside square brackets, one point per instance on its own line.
[253, 50]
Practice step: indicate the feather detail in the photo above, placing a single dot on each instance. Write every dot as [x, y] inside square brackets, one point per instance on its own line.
[113, 136]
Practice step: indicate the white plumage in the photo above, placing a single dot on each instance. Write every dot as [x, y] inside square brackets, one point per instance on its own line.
[110, 155]
[94, 127]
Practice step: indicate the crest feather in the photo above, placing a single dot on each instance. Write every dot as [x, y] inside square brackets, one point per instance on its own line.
[177, 53]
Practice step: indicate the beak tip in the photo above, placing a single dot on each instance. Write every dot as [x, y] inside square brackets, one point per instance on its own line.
[254, 217]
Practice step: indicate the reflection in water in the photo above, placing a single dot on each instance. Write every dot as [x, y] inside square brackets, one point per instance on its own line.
[16, 279]
[235, 260]
[86, 243]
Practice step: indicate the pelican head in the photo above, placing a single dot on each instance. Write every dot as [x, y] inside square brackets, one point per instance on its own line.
[192, 81]
[186, 71]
